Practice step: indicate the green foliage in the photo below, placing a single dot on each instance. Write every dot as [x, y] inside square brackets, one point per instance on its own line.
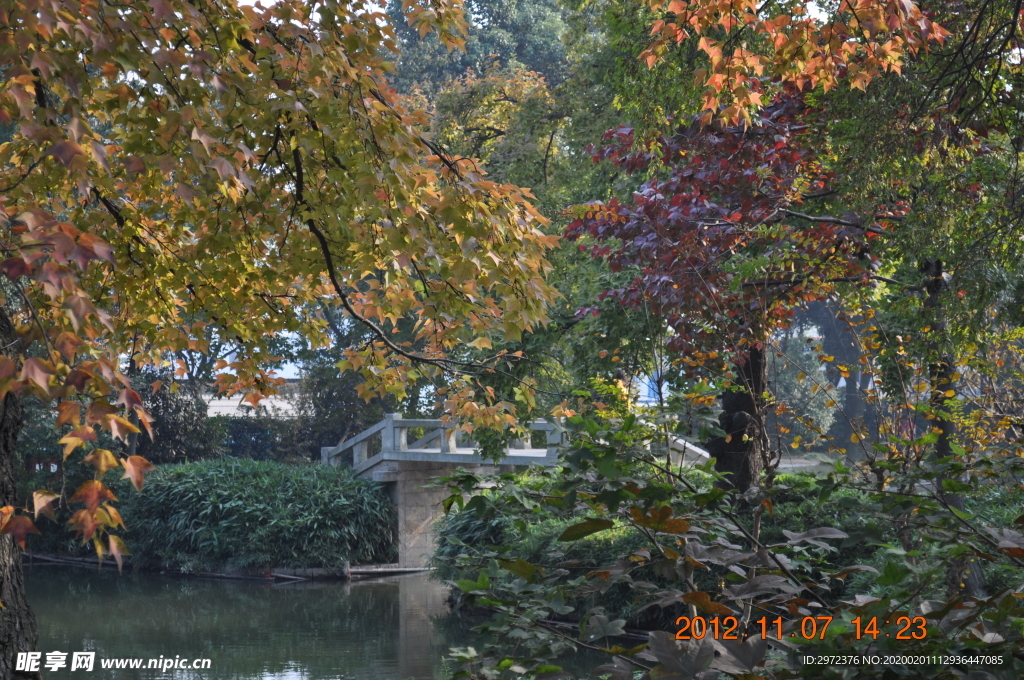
[35, 442]
[517, 33]
[793, 369]
[465, 541]
[614, 539]
[328, 408]
[507, 117]
[465, 538]
[611, 85]
[244, 514]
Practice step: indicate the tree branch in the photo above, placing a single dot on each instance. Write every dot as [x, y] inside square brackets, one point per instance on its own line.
[838, 279]
[838, 220]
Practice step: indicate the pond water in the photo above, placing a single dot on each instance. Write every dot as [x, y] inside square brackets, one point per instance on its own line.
[382, 629]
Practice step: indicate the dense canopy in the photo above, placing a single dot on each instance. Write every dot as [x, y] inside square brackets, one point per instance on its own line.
[791, 228]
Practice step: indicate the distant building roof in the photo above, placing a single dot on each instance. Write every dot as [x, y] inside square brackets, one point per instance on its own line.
[234, 407]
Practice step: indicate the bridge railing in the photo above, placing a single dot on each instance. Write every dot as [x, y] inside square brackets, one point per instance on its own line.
[439, 442]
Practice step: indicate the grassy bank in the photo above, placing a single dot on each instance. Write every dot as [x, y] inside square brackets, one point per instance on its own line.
[243, 514]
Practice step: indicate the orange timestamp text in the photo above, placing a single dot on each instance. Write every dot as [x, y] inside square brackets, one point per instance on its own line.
[808, 628]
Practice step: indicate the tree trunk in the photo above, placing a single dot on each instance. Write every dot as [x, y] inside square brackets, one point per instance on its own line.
[17, 623]
[740, 453]
[133, 417]
[839, 339]
[965, 574]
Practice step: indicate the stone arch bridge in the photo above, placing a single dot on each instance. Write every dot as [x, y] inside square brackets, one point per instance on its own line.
[406, 467]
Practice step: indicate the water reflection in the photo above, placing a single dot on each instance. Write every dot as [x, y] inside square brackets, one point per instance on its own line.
[381, 629]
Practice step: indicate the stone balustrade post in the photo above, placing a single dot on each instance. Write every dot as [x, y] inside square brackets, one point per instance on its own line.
[554, 438]
[392, 437]
[449, 443]
[359, 452]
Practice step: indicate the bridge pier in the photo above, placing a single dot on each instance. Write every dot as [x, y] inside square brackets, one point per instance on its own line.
[407, 469]
[418, 506]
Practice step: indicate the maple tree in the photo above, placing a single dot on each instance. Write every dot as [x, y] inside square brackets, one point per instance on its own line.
[179, 165]
[747, 43]
[723, 253]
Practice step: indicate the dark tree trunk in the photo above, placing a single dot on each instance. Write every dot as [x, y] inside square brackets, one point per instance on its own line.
[840, 340]
[17, 623]
[854, 415]
[965, 574]
[741, 452]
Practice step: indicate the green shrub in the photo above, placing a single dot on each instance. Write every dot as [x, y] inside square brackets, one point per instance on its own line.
[464, 534]
[511, 533]
[237, 514]
[531, 538]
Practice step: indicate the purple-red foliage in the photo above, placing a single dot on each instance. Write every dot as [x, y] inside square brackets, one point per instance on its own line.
[718, 253]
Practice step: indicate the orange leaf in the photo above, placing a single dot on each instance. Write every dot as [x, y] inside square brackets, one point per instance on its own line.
[38, 372]
[130, 399]
[84, 432]
[5, 514]
[83, 524]
[99, 151]
[703, 602]
[98, 412]
[134, 165]
[64, 152]
[102, 460]
[70, 444]
[92, 493]
[675, 526]
[117, 549]
[121, 428]
[146, 421]
[156, 385]
[77, 378]
[115, 516]
[135, 469]
[69, 412]
[102, 249]
[660, 519]
[66, 344]
[19, 526]
[44, 502]
[79, 307]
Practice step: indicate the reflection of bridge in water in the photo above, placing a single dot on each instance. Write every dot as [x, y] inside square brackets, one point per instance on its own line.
[405, 468]
[421, 603]
[413, 605]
